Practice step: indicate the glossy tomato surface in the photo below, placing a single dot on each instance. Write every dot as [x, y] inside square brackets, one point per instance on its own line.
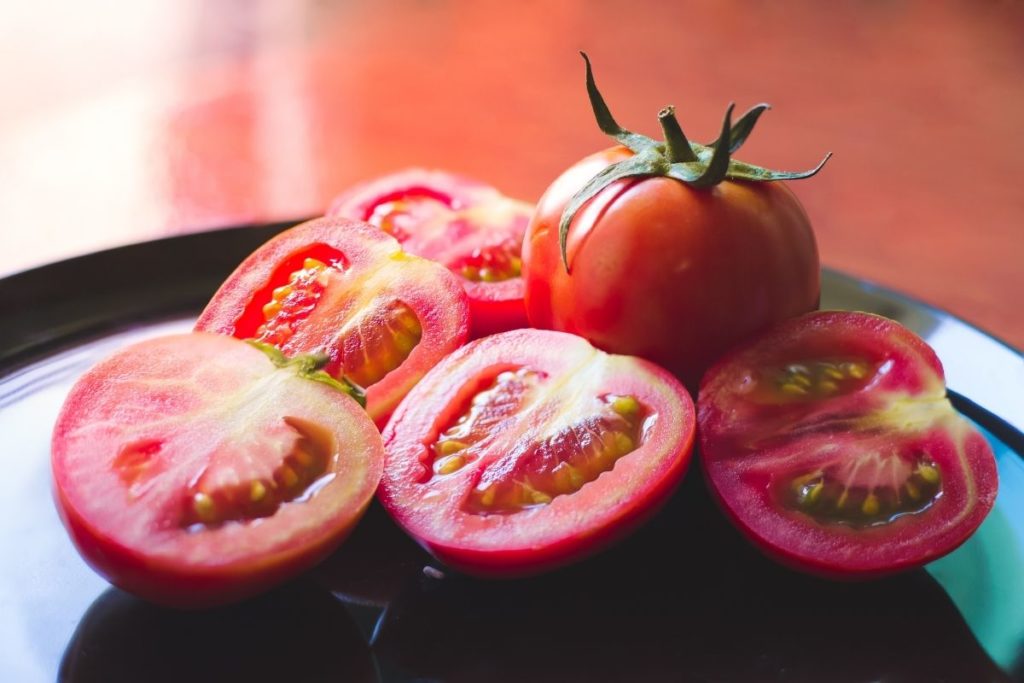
[346, 289]
[528, 449]
[464, 224]
[191, 470]
[830, 442]
[665, 271]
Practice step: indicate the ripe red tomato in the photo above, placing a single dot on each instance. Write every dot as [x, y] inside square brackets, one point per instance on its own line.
[461, 223]
[668, 272]
[528, 449]
[192, 470]
[345, 289]
[831, 444]
[672, 251]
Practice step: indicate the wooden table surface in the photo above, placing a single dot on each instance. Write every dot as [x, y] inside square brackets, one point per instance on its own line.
[127, 121]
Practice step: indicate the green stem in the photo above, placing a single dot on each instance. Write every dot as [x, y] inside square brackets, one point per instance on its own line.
[677, 147]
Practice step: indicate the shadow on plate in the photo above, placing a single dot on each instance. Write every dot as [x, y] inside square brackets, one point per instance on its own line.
[685, 599]
[296, 633]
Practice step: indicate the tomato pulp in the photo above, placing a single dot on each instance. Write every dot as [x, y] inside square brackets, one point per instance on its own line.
[466, 225]
[528, 449]
[343, 288]
[191, 470]
[831, 444]
[665, 271]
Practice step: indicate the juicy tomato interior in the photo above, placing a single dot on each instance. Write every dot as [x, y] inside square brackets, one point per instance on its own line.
[491, 466]
[342, 289]
[831, 442]
[192, 471]
[468, 227]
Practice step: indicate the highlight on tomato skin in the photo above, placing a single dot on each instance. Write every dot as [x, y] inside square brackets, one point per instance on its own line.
[830, 442]
[531, 449]
[195, 470]
[345, 289]
[466, 225]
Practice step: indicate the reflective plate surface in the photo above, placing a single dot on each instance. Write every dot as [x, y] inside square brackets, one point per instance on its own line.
[684, 599]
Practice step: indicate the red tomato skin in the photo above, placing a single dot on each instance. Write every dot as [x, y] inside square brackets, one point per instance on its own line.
[547, 351]
[494, 306]
[435, 294]
[915, 370]
[667, 272]
[175, 583]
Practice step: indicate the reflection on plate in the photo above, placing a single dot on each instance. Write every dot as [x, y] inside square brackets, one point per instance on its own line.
[685, 598]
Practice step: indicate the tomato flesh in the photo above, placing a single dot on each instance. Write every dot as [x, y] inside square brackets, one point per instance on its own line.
[465, 225]
[347, 290]
[528, 449]
[192, 471]
[830, 442]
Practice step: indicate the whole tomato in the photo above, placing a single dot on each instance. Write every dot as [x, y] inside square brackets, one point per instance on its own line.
[672, 251]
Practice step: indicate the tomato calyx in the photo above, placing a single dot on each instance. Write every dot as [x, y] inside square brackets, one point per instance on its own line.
[311, 366]
[694, 164]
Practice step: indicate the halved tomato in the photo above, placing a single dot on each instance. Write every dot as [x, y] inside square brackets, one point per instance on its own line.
[462, 223]
[831, 444]
[529, 449]
[347, 290]
[194, 470]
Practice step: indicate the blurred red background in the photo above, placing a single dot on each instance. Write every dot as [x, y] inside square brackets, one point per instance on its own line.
[127, 121]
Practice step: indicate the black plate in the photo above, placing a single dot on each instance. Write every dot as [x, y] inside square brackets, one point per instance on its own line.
[684, 599]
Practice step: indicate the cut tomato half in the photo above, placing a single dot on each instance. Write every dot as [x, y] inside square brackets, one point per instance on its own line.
[347, 290]
[830, 442]
[192, 470]
[469, 227]
[528, 449]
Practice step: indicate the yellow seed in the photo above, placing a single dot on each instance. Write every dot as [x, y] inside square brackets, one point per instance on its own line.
[204, 507]
[855, 370]
[288, 476]
[809, 494]
[282, 292]
[516, 266]
[488, 495]
[801, 381]
[304, 457]
[828, 386]
[870, 506]
[470, 273]
[449, 446]
[929, 473]
[623, 443]
[539, 497]
[450, 464]
[271, 309]
[313, 264]
[626, 406]
[832, 372]
[842, 499]
[913, 491]
[257, 491]
[488, 275]
[793, 389]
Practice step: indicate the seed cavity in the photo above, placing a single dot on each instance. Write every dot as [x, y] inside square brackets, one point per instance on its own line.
[379, 341]
[873, 491]
[492, 264]
[295, 478]
[486, 416]
[292, 303]
[564, 462]
[811, 380]
[398, 216]
[135, 463]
